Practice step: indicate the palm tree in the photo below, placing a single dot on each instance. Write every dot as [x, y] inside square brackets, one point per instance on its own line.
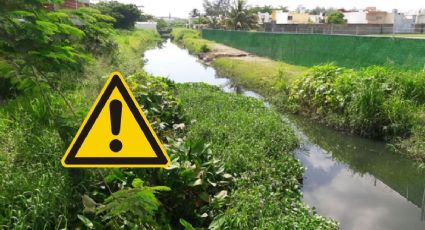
[241, 17]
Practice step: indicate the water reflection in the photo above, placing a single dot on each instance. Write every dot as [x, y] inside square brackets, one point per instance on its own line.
[359, 182]
[356, 181]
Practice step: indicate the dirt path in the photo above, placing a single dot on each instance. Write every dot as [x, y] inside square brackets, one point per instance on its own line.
[220, 50]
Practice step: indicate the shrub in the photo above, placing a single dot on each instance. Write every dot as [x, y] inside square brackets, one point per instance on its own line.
[379, 101]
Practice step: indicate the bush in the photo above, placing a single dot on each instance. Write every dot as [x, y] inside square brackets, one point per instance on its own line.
[378, 102]
[191, 39]
[125, 15]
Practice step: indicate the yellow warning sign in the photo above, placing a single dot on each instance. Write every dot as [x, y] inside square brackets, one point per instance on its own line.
[115, 133]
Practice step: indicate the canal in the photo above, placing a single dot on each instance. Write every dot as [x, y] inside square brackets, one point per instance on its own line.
[358, 182]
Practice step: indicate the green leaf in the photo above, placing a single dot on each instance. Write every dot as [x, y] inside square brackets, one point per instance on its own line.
[86, 221]
[22, 13]
[47, 27]
[137, 183]
[186, 225]
[71, 30]
[205, 197]
[196, 183]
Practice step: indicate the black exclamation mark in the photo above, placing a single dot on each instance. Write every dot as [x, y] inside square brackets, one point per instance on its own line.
[115, 109]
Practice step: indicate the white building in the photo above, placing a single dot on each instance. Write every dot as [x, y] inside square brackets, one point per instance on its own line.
[420, 17]
[316, 19]
[358, 17]
[264, 18]
[145, 25]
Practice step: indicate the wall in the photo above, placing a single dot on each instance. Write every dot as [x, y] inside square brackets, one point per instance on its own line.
[404, 24]
[356, 17]
[264, 18]
[281, 17]
[420, 19]
[378, 17]
[313, 49]
[145, 25]
[299, 18]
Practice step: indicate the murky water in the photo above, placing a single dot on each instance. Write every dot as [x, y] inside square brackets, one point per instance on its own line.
[358, 182]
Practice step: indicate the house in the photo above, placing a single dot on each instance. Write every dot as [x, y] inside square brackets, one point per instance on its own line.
[374, 16]
[68, 4]
[356, 17]
[420, 17]
[74, 4]
[264, 18]
[145, 25]
[280, 17]
[404, 23]
[369, 16]
[316, 19]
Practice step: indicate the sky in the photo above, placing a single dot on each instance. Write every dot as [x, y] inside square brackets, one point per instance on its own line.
[182, 8]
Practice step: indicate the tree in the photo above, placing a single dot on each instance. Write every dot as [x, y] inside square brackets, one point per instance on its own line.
[194, 13]
[300, 9]
[216, 8]
[125, 14]
[335, 17]
[241, 17]
[161, 24]
[283, 8]
[262, 9]
[318, 10]
[41, 48]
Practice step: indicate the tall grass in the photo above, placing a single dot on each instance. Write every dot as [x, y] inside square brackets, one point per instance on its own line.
[191, 39]
[379, 102]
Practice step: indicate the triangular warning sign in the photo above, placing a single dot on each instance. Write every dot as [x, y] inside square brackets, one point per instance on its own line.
[115, 133]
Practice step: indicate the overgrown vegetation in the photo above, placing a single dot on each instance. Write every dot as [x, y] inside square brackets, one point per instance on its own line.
[377, 102]
[53, 65]
[190, 39]
[266, 191]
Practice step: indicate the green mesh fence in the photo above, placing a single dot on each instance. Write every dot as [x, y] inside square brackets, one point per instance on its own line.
[313, 49]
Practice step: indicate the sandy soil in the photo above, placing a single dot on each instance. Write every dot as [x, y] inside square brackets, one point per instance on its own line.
[220, 50]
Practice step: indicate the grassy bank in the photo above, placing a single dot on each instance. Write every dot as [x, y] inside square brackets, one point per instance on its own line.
[190, 39]
[264, 76]
[379, 102]
[37, 125]
[315, 49]
[255, 146]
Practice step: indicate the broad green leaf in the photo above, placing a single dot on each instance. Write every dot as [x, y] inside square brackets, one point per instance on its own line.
[186, 225]
[86, 221]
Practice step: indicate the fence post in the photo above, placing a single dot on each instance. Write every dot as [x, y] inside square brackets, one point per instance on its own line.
[332, 28]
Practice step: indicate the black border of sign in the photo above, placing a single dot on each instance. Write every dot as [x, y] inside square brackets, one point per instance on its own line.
[115, 83]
